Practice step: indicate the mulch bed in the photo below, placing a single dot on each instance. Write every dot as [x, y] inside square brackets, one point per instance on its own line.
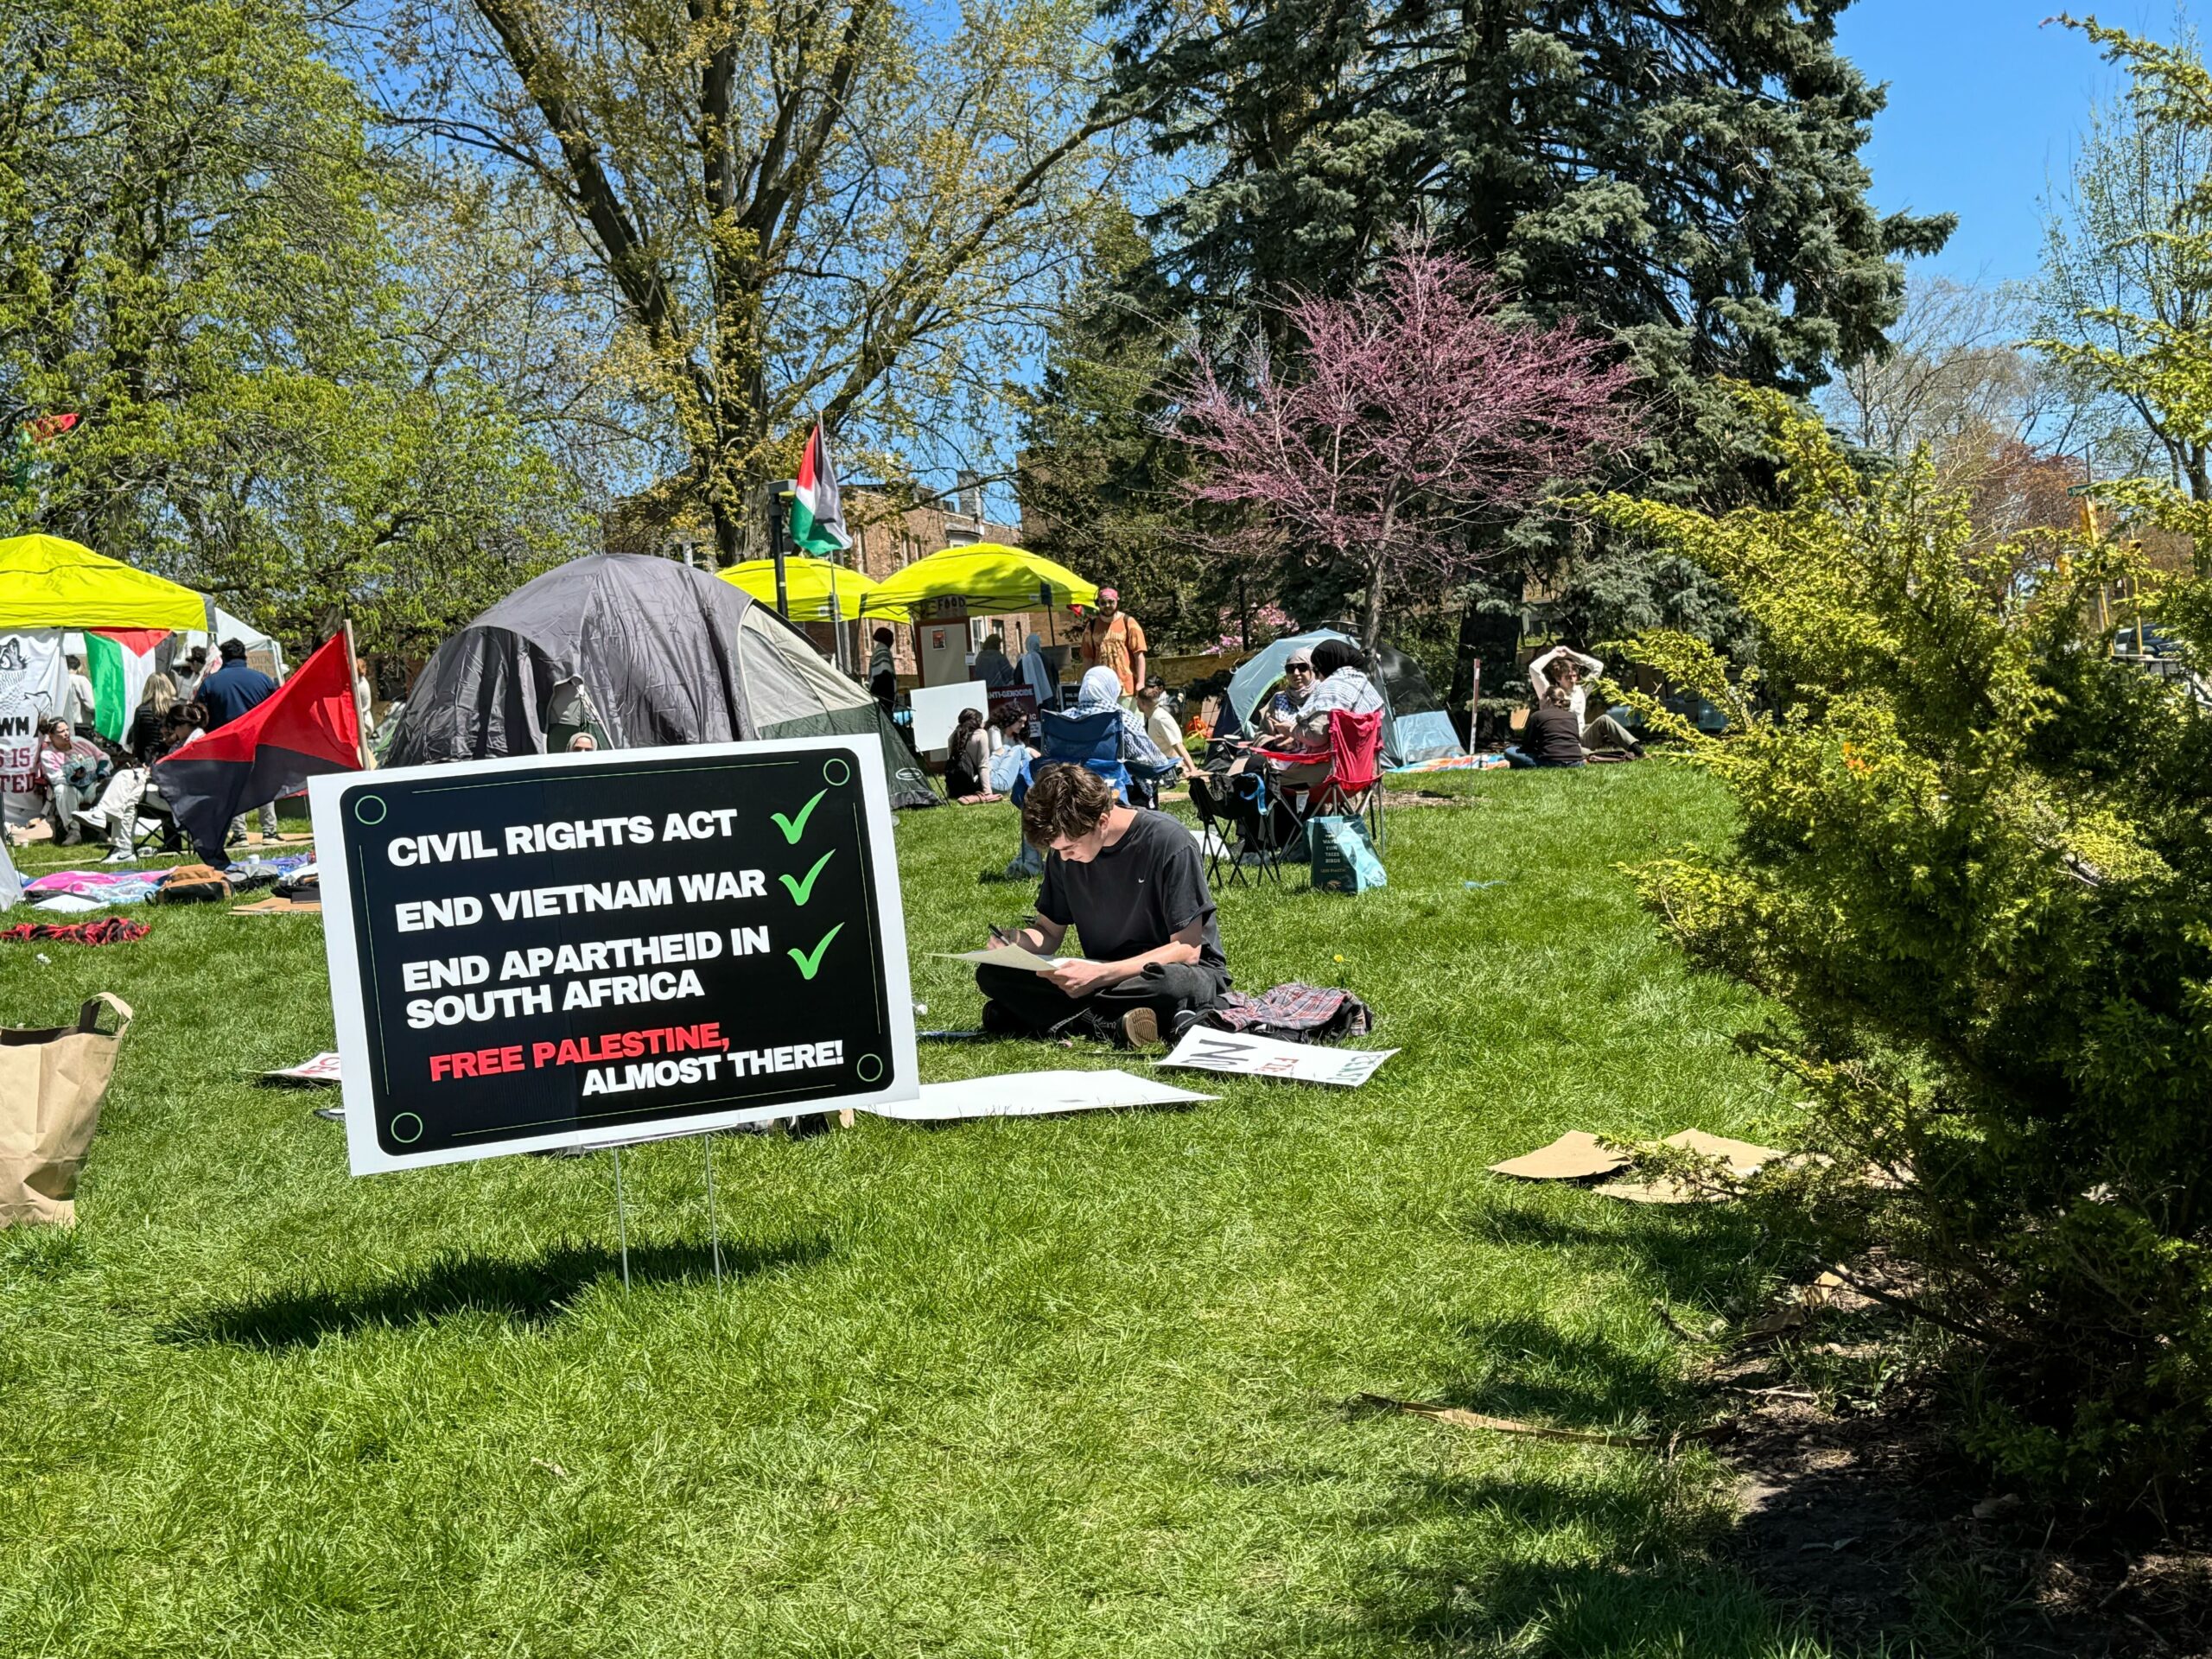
[1873, 1525]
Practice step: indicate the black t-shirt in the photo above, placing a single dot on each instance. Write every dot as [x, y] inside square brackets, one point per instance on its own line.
[1135, 895]
[1552, 738]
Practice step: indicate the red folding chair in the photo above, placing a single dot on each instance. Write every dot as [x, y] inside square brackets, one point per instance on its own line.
[1352, 787]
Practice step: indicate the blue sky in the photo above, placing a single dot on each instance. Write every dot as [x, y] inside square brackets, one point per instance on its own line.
[1985, 103]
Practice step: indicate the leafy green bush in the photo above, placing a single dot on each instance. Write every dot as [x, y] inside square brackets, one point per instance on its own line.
[1974, 868]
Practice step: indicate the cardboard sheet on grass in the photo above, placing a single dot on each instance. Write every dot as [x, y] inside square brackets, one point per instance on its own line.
[1034, 1094]
[51, 1082]
[1579, 1155]
[582, 949]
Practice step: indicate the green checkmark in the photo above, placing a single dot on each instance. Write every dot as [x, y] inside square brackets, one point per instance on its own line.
[810, 964]
[794, 828]
[803, 891]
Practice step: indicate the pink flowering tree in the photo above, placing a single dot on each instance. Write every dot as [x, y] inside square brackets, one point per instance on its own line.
[1410, 417]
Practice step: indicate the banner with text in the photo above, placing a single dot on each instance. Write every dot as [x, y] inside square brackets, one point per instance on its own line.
[576, 949]
[34, 686]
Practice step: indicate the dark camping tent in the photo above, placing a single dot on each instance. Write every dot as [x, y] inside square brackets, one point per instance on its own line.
[1415, 726]
[638, 652]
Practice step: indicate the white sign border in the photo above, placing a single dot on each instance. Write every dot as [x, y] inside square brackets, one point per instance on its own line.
[366, 1157]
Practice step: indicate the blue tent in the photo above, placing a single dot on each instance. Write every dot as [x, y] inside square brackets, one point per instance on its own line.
[1414, 724]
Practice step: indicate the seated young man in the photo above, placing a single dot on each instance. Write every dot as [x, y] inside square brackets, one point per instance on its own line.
[1133, 886]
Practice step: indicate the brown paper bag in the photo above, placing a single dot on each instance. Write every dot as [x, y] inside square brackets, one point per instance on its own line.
[51, 1086]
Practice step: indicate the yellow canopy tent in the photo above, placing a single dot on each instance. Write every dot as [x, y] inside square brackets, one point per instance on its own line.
[46, 583]
[807, 585]
[989, 575]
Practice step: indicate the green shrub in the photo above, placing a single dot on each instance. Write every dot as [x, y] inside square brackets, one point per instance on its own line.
[1974, 871]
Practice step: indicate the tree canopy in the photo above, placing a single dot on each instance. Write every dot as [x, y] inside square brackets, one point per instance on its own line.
[1685, 178]
[198, 257]
[838, 210]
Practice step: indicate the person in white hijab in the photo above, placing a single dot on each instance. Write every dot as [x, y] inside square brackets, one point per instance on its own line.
[1102, 691]
[1036, 673]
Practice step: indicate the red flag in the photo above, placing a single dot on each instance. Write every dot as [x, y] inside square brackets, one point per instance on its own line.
[310, 726]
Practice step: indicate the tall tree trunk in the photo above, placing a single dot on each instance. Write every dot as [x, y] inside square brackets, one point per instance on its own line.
[1371, 627]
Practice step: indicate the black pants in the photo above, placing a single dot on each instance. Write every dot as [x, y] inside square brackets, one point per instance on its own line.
[1167, 988]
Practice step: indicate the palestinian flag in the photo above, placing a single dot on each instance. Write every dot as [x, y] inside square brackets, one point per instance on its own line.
[118, 660]
[310, 727]
[817, 514]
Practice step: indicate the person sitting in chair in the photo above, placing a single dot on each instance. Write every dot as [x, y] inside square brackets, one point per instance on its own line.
[1280, 715]
[1341, 682]
[1133, 887]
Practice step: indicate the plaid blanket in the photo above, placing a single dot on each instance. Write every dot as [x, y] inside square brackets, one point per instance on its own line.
[1294, 1013]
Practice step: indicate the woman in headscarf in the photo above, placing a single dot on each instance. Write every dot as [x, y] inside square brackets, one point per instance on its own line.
[1341, 683]
[1284, 708]
[1036, 673]
[1102, 691]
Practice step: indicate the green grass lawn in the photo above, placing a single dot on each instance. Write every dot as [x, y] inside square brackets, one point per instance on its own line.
[1074, 1387]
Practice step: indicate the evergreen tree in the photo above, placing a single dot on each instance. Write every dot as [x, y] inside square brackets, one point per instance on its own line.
[1683, 175]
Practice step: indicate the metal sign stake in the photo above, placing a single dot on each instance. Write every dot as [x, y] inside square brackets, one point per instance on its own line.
[714, 1224]
[621, 1223]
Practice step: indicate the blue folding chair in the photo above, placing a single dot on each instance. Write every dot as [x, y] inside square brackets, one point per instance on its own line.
[1092, 740]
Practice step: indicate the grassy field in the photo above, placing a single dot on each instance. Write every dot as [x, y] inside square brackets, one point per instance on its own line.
[1069, 1387]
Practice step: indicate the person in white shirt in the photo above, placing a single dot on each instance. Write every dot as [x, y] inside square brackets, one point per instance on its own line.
[82, 715]
[1159, 723]
[1567, 669]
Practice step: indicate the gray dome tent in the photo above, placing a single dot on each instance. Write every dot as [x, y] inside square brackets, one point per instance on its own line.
[640, 652]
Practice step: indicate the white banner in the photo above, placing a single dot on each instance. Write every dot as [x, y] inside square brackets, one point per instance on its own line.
[33, 684]
[1205, 1050]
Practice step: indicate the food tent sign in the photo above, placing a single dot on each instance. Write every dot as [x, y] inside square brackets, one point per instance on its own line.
[579, 950]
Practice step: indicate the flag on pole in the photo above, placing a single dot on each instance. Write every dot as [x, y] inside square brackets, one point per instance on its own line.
[118, 661]
[817, 513]
[311, 725]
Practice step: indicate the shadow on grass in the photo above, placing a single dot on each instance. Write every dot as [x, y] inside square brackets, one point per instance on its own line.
[1529, 1563]
[1533, 1369]
[1555, 1550]
[530, 1292]
[1697, 1254]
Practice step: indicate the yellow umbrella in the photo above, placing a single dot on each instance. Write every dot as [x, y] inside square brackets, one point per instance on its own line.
[807, 585]
[46, 583]
[989, 577]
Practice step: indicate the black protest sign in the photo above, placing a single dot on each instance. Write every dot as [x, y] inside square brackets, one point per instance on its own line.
[580, 949]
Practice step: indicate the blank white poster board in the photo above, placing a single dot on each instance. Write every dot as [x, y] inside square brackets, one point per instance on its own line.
[936, 711]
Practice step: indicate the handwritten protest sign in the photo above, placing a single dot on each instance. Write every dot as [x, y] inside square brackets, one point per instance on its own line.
[1203, 1049]
[579, 950]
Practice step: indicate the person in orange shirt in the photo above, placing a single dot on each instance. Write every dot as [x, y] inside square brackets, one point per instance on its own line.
[1112, 638]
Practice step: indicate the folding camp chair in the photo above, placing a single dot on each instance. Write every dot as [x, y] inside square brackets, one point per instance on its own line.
[1092, 740]
[1247, 806]
[1352, 786]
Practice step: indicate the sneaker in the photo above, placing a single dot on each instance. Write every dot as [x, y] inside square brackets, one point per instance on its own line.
[999, 1021]
[121, 856]
[1141, 1028]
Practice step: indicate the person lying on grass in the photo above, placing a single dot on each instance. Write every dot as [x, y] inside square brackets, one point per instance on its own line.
[1133, 886]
